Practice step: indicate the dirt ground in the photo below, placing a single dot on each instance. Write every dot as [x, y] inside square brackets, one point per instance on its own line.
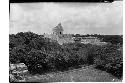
[85, 74]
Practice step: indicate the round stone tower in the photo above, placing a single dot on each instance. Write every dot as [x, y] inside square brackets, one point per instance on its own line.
[58, 30]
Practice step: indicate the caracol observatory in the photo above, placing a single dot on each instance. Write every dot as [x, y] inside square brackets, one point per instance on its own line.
[58, 30]
[58, 35]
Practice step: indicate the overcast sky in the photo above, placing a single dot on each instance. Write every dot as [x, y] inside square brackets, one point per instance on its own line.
[81, 18]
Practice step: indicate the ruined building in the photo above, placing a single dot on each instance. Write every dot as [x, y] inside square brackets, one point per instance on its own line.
[59, 36]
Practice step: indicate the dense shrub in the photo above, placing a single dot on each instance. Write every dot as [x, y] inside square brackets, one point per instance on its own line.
[42, 55]
[109, 59]
[36, 61]
[17, 54]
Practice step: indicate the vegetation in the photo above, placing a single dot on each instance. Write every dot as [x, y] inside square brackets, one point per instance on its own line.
[42, 55]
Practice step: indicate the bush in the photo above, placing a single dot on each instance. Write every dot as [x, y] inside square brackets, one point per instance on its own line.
[42, 55]
[17, 54]
[109, 59]
[36, 61]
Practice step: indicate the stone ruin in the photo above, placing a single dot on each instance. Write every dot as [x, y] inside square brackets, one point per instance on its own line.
[17, 72]
[59, 36]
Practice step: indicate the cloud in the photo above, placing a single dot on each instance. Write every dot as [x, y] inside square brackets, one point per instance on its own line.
[80, 18]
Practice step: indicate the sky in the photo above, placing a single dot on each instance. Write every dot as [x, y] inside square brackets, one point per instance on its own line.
[76, 18]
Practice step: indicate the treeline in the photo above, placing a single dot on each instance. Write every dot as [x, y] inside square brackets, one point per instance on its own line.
[42, 55]
[114, 39]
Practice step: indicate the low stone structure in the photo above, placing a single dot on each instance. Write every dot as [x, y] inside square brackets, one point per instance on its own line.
[92, 40]
[17, 72]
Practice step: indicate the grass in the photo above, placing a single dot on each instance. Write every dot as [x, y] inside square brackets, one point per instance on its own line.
[84, 74]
